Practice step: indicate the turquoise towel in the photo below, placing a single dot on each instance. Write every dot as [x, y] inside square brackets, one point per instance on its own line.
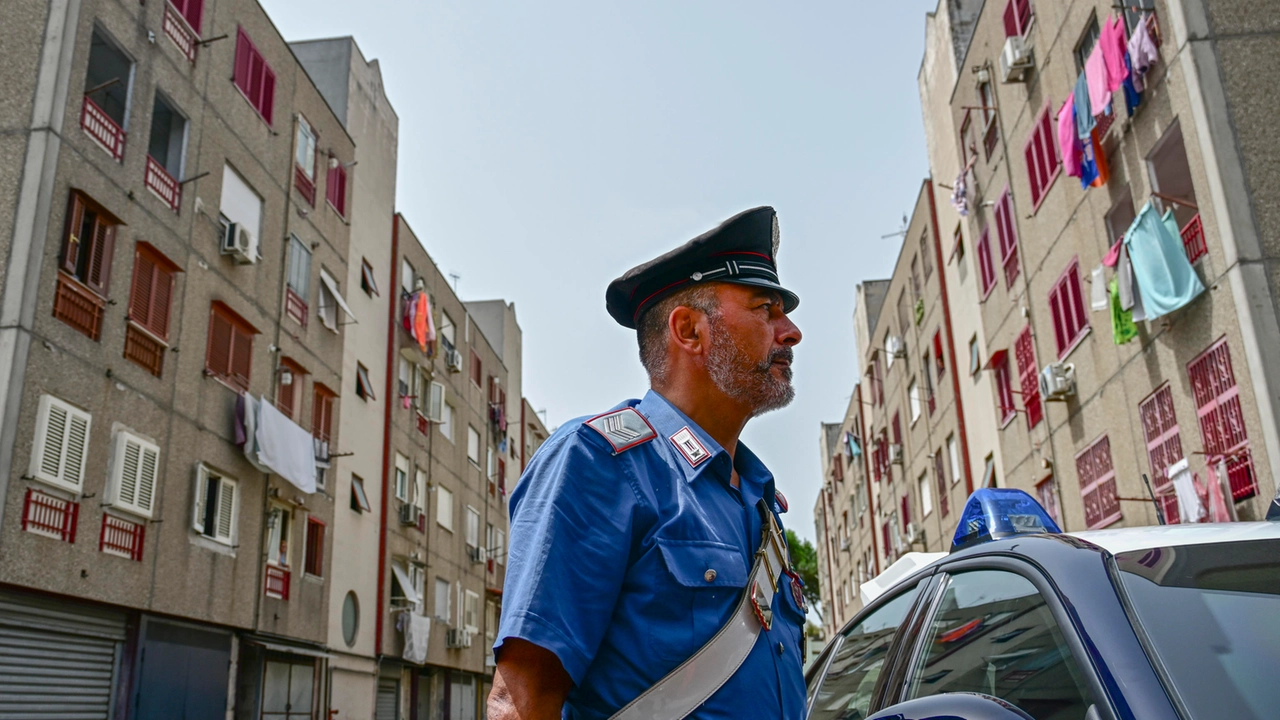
[1165, 279]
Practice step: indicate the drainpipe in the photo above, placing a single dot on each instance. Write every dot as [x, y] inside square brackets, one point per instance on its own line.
[951, 344]
[386, 430]
[866, 473]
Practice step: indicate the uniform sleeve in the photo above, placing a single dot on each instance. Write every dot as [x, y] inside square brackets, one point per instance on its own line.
[571, 529]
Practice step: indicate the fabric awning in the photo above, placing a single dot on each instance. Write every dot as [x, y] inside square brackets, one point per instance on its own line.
[290, 649]
[402, 577]
[332, 286]
[285, 448]
[996, 359]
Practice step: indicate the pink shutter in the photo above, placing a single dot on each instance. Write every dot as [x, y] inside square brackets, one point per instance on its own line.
[1098, 484]
[1222, 427]
[267, 99]
[244, 55]
[1010, 20]
[985, 265]
[1029, 377]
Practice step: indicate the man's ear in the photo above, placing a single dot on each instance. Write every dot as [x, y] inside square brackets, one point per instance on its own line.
[687, 328]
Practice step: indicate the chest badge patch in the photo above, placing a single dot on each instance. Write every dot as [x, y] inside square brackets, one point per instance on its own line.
[782, 501]
[624, 429]
[690, 447]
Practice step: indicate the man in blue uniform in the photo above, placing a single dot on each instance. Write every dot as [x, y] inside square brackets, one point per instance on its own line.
[638, 535]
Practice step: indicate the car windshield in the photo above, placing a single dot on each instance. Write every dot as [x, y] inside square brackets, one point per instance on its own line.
[1212, 616]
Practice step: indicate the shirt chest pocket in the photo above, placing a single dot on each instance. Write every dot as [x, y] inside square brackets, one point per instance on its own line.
[702, 584]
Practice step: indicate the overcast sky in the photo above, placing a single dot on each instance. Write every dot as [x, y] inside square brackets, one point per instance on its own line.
[546, 147]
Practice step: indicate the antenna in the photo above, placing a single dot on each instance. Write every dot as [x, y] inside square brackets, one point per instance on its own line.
[900, 233]
[455, 277]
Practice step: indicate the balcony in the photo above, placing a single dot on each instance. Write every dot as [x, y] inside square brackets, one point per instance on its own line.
[277, 585]
[1193, 239]
[143, 349]
[162, 184]
[78, 306]
[306, 186]
[295, 307]
[50, 516]
[424, 425]
[183, 36]
[122, 538]
[102, 129]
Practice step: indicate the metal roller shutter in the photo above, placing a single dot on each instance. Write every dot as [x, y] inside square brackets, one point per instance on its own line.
[388, 705]
[57, 660]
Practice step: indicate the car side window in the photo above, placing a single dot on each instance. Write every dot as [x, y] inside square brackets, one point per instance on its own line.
[993, 634]
[845, 691]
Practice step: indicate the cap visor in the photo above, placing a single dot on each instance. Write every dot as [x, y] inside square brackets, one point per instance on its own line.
[790, 301]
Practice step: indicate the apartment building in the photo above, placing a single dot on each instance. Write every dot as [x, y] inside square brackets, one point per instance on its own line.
[354, 89]
[1189, 388]
[173, 328]
[533, 433]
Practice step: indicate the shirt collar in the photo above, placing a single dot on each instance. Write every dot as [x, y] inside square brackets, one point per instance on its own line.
[668, 421]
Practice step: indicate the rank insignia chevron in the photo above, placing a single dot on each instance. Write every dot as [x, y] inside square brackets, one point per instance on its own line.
[624, 429]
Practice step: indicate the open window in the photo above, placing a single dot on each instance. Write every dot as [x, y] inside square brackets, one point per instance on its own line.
[165, 150]
[217, 504]
[108, 85]
[304, 176]
[88, 244]
[298, 281]
[1172, 188]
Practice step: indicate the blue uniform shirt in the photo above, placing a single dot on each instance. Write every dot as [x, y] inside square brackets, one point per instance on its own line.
[608, 567]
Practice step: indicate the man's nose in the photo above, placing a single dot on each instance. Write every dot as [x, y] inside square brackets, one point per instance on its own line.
[788, 333]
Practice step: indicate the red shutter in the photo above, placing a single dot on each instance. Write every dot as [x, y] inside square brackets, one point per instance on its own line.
[241, 357]
[322, 412]
[1004, 391]
[1098, 484]
[897, 429]
[140, 295]
[267, 98]
[194, 13]
[940, 476]
[98, 272]
[161, 298]
[217, 358]
[937, 354]
[336, 189]
[1222, 427]
[1008, 238]
[71, 241]
[985, 265]
[244, 55]
[1164, 445]
[1029, 377]
[1010, 20]
[315, 548]
[906, 511]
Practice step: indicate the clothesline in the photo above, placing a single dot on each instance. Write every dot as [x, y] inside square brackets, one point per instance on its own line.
[1174, 200]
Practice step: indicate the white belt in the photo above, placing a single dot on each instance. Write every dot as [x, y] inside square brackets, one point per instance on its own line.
[707, 670]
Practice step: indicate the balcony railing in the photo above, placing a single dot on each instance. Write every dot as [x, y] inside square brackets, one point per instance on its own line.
[50, 516]
[305, 185]
[78, 306]
[295, 307]
[176, 27]
[277, 582]
[165, 186]
[104, 131]
[1193, 239]
[144, 350]
[423, 425]
[121, 537]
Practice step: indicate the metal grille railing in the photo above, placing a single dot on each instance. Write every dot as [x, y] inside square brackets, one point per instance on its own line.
[78, 306]
[1193, 239]
[99, 126]
[176, 27]
[277, 585]
[121, 537]
[50, 516]
[144, 350]
[1213, 386]
[159, 181]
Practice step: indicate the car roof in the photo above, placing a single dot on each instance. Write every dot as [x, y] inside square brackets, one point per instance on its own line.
[1128, 539]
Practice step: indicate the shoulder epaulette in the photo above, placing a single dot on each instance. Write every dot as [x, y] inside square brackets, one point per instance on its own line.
[624, 429]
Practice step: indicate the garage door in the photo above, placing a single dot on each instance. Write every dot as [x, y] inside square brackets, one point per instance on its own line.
[388, 707]
[57, 660]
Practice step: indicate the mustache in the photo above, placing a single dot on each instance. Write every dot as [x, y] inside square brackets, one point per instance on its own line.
[782, 353]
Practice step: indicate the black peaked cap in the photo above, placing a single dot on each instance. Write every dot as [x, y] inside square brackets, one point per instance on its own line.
[742, 250]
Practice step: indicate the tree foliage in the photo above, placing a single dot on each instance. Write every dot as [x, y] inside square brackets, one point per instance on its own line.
[805, 560]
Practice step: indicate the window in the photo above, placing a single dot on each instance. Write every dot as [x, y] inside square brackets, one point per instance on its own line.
[1004, 388]
[322, 412]
[953, 452]
[313, 563]
[107, 86]
[229, 356]
[135, 469]
[191, 10]
[957, 253]
[904, 316]
[489, 538]
[217, 505]
[1017, 17]
[937, 355]
[359, 500]
[304, 161]
[402, 478]
[1066, 304]
[860, 658]
[915, 278]
[405, 378]
[434, 404]
[490, 621]
[446, 422]
[407, 276]
[1164, 445]
[1098, 484]
[288, 382]
[444, 592]
[1041, 152]
[444, 508]
[473, 527]
[926, 375]
[367, 281]
[1029, 377]
[298, 282]
[335, 192]
[60, 450]
[990, 127]
[1047, 494]
[926, 495]
[447, 330]
[1170, 175]
[164, 152]
[988, 613]
[913, 394]
[288, 689]
[491, 463]
[1222, 428]
[926, 256]
[420, 488]
[1133, 12]
[473, 446]
[989, 472]
[975, 359]
[986, 269]
[241, 206]
[877, 380]
[471, 612]
[1120, 216]
[254, 77]
[897, 429]
[85, 261]
[279, 525]
[477, 370]
[940, 477]
[350, 618]
[500, 547]
[330, 298]
[1008, 238]
[364, 388]
[150, 298]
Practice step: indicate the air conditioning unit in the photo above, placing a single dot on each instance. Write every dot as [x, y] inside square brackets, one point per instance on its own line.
[1058, 381]
[410, 514]
[240, 244]
[914, 534]
[457, 638]
[453, 359]
[1016, 59]
[845, 543]
[894, 346]
[895, 454]
[477, 555]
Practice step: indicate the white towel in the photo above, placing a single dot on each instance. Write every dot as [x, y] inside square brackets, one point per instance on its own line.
[286, 448]
[1099, 290]
[251, 433]
[1190, 509]
[417, 634]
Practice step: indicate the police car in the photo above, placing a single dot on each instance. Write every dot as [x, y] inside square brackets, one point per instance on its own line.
[1020, 620]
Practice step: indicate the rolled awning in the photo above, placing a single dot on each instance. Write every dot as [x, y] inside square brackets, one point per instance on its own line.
[333, 290]
[402, 577]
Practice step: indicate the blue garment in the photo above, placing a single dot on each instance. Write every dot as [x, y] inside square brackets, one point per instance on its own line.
[1088, 165]
[1084, 110]
[1132, 98]
[608, 567]
[1165, 278]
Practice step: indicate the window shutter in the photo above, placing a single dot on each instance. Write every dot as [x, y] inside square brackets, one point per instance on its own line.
[218, 356]
[193, 11]
[61, 444]
[266, 100]
[161, 298]
[241, 356]
[435, 410]
[244, 55]
[1033, 173]
[140, 295]
[71, 242]
[1029, 377]
[197, 504]
[98, 273]
[134, 476]
[1010, 20]
[226, 514]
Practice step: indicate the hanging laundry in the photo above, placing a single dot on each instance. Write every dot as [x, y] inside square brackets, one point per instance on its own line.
[1113, 255]
[423, 327]
[1138, 311]
[1132, 98]
[1165, 277]
[406, 314]
[1069, 145]
[1095, 72]
[1142, 51]
[1084, 110]
[1189, 508]
[1171, 223]
[1122, 328]
[1101, 165]
[1098, 290]
[960, 194]
[1113, 45]
[1088, 165]
[1124, 277]
[1220, 505]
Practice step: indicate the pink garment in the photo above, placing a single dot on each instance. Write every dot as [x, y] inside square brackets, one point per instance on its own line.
[1068, 139]
[1142, 51]
[1112, 41]
[1113, 255]
[1095, 73]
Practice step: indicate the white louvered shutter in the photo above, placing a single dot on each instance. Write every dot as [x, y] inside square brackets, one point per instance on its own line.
[61, 444]
[226, 515]
[197, 504]
[435, 411]
[133, 479]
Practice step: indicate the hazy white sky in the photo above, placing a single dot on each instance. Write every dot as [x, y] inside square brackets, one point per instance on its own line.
[546, 147]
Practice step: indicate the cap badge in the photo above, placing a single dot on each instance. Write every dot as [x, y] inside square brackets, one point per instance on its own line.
[689, 446]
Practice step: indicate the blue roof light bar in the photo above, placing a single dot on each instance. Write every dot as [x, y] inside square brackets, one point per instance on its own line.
[994, 513]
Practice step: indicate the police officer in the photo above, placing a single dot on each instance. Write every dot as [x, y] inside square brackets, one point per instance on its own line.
[638, 534]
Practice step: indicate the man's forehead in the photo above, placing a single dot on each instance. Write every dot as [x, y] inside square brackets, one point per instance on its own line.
[748, 293]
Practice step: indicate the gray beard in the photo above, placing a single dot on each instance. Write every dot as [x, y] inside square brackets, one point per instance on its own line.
[744, 380]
